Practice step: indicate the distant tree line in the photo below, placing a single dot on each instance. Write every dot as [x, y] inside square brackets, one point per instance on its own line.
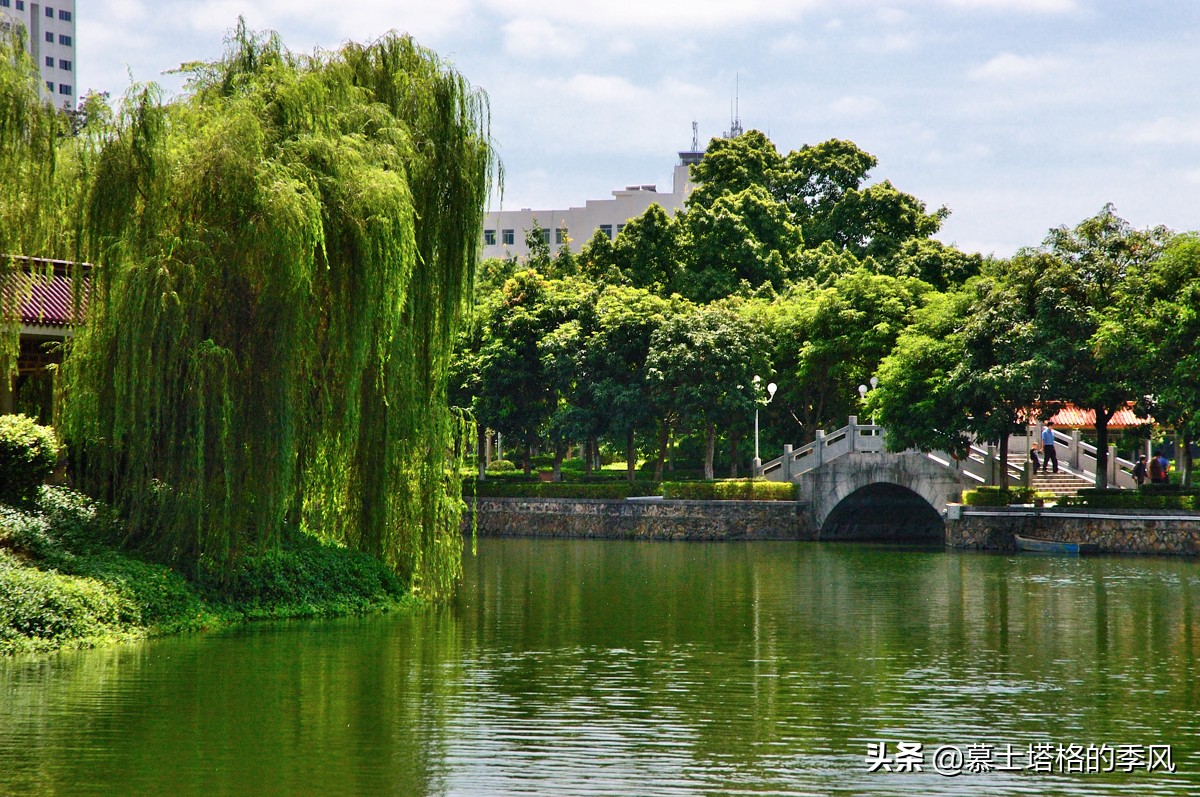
[796, 269]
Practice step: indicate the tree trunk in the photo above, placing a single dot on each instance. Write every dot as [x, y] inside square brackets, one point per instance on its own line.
[587, 457]
[481, 452]
[1185, 461]
[664, 440]
[1102, 418]
[1004, 461]
[528, 458]
[630, 456]
[710, 444]
[733, 456]
[560, 451]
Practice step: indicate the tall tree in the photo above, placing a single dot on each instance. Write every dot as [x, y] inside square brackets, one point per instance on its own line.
[701, 368]
[1094, 265]
[281, 259]
[647, 250]
[615, 359]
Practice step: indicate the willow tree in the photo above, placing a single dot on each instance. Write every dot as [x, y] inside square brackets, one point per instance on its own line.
[30, 130]
[281, 258]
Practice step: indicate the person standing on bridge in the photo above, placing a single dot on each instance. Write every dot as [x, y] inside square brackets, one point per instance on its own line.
[1048, 452]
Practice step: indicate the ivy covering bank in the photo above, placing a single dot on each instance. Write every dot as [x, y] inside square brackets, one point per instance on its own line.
[65, 582]
[279, 261]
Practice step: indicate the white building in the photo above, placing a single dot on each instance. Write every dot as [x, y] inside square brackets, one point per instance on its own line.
[504, 231]
[50, 30]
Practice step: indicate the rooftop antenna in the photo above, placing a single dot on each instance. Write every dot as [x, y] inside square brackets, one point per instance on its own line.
[695, 136]
[735, 124]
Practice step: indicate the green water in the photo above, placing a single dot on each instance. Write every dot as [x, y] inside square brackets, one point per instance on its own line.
[599, 667]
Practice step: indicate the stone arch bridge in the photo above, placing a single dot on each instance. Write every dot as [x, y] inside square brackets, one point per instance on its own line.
[856, 490]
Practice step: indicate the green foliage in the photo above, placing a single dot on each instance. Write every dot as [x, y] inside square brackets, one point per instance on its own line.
[1134, 499]
[306, 578]
[28, 452]
[64, 584]
[742, 241]
[281, 259]
[611, 489]
[647, 250]
[1000, 496]
[500, 466]
[701, 368]
[730, 490]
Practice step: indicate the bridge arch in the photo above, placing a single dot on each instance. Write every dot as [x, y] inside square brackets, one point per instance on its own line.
[861, 489]
[883, 511]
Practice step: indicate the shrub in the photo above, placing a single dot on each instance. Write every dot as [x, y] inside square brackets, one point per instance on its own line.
[606, 489]
[1134, 499]
[1168, 489]
[28, 453]
[500, 466]
[997, 496]
[731, 490]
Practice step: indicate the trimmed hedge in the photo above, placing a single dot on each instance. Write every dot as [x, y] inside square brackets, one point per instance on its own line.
[1135, 499]
[28, 453]
[528, 489]
[996, 496]
[731, 490]
[500, 466]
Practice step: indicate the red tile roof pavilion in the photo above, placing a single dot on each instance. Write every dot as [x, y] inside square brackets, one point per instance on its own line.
[46, 294]
[1071, 417]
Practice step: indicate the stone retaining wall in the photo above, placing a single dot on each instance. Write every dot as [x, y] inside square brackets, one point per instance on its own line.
[1112, 530]
[643, 520]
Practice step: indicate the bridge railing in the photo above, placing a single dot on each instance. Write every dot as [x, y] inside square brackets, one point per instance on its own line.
[981, 465]
[851, 438]
[1078, 457]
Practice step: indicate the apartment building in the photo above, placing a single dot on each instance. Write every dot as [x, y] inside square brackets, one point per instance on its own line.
[50, 30]
[504, 231]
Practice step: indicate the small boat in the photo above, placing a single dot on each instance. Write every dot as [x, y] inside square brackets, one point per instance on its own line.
[1035, 545]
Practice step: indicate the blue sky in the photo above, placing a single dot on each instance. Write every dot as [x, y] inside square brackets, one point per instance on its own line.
[1019, 115]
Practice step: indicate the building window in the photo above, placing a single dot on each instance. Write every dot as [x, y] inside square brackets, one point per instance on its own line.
[50, 37]
[61, 39]
[63, 88]
[49, 87]
[50, 12]
[20, 5]
[620, 228]
[65, 16]
[66, 66]
[489, 237]
[544, 234]
[607, 230]
[560, 236]
[508, 237]
[4, 3]
[49, 60]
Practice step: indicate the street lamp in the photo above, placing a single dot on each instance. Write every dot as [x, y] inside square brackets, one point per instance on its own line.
[863, 390]
[771, 388]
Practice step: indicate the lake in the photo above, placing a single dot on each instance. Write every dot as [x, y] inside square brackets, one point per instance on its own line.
[594, 667]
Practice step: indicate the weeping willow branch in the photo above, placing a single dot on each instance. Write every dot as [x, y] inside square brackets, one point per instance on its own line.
[281, 259]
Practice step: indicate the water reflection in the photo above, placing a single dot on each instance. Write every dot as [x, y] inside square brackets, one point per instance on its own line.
[596, 667]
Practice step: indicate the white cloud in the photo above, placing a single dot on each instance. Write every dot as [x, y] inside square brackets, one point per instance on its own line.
[1168, 130]
[1036, 6]
[537, 38]
[665, 16]
[855, 106]
[1009, 66]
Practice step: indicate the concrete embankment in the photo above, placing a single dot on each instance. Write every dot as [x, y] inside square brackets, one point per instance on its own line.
[1111, 530]
[643, 519]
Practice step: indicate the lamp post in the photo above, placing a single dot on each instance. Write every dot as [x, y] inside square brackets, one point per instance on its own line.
[863, 390]
[771, 388]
